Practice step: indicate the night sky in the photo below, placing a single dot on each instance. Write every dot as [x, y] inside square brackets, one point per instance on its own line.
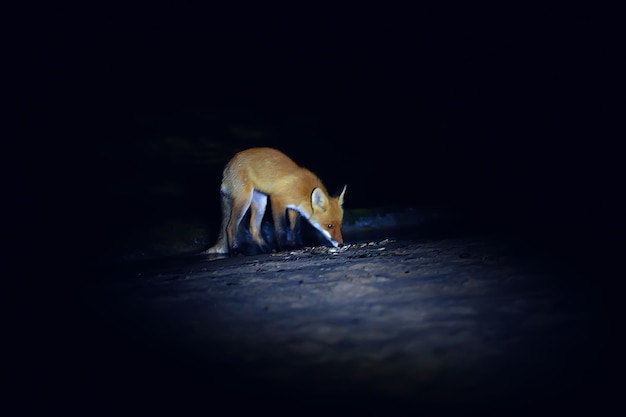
[482, 110]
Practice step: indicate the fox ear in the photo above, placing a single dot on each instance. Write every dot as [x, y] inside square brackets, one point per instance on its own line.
[341, 194]
[319, 199]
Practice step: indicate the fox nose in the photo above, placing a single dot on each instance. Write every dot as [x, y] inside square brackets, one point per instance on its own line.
[340, 245]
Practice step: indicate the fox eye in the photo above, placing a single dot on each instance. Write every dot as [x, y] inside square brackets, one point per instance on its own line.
[330, 226]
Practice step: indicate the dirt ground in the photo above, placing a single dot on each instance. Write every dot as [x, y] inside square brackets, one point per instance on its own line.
[380, 327]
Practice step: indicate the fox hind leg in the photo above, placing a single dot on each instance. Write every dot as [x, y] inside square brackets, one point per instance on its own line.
[221, 246]
[240, 205]
[257, 210]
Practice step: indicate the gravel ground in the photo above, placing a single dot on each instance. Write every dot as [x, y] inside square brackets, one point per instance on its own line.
[441, 325]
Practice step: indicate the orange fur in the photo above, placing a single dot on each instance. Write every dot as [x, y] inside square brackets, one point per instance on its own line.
[255, 174]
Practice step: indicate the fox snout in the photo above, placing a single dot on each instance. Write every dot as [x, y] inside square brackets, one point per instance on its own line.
[336, 241]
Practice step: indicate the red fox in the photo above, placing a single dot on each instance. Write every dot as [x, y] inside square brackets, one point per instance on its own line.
[254, 174]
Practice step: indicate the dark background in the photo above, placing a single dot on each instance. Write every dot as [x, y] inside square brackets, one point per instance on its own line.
[126, 116]
[489, 111]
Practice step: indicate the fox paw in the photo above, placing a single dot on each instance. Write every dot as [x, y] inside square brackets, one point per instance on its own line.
[215, 250]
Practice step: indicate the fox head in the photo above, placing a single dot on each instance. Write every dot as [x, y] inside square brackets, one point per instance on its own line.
[327, 214]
